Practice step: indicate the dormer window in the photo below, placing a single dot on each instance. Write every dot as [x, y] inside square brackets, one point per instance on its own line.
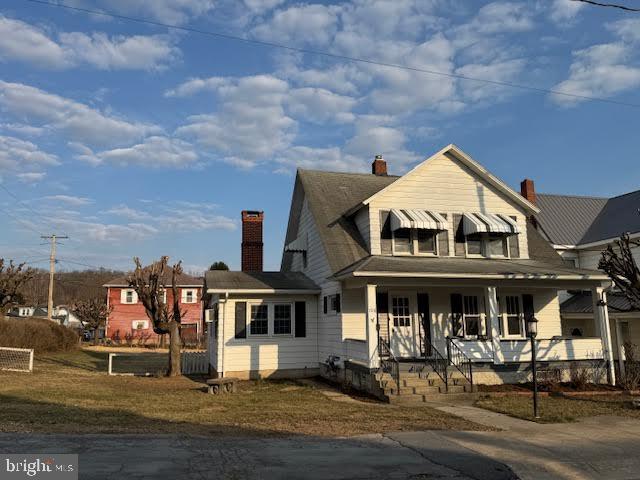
[414, 232]
[402, 241]
[486, 235]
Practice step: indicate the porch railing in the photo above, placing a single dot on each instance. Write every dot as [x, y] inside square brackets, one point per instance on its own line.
[436, 361]
[459, 359]
[388, 362]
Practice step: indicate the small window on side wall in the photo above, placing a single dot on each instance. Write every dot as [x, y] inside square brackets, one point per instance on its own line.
[282, 319]
[259, 320]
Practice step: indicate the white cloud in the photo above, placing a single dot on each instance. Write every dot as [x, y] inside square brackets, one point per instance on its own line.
[69, 200]
[262, 6]
[311, 24]
[168, 11]
[154, 151]
[628, 29]
[342, 79]
[195, 85]
[129, 213]
[599, 71]
[331, 158]
[506, 71]
[22, 129]
[17, 155]
[21, 41]
[30, 44]
[319, 105]
[250, 124]
[120, 52]
[75, 120]
[31, 177]
[564, 12]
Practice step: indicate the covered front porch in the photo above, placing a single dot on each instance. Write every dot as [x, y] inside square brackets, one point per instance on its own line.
[471, 324]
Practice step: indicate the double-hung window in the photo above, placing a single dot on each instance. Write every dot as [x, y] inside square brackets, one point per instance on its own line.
[259, 320]
[400, 312]
[408, 241]
[471, 316]
[402, 243]
[282, 319]
[512, 318]
[426, 240]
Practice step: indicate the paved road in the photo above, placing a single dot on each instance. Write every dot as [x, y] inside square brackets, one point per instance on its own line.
[604, 447]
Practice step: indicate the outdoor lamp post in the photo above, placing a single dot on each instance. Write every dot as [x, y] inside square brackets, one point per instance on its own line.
[532, 332]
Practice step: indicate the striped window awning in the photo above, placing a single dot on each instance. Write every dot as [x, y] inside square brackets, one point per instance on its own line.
[298, 245]
[489, 223]
[422, 219]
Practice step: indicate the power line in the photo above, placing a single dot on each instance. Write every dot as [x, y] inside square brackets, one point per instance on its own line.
[25, 204]
[332, 55]
[25, 223]
[64, 260]
[611, 5]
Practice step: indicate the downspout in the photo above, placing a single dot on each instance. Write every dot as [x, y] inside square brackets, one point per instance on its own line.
[221, 334]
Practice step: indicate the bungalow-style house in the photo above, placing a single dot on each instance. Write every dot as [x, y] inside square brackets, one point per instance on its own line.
[128, 318]
[580, 228]
[428, 273]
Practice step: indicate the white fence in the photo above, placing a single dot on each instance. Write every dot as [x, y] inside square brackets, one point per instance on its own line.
[150, 364]
[16, 359]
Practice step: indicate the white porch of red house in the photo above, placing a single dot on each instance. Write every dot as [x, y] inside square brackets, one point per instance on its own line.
[417, 320]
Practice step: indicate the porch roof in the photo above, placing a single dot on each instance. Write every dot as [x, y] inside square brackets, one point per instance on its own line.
[447, 267]
[221, 281]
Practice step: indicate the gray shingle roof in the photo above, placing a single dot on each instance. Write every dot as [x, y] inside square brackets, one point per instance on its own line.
[226, 280]
[581, 303]
[330, 195]
[620, 214]
[464, 266]
[566, 218]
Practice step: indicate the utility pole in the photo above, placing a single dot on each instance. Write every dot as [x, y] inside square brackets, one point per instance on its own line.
[52, 271]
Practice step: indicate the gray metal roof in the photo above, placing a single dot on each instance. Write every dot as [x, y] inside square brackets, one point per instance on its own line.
[620, 214]
[227, 280]
[575, 220]
[565, 219]
[581, 303]
[442, 266]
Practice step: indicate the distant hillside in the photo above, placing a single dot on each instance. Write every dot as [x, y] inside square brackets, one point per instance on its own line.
[69, 286]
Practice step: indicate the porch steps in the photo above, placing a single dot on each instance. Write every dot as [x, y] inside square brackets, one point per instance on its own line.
[419, 383]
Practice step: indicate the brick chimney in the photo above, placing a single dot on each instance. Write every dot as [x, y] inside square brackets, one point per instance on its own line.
[252, 245]
[528, 191]
[379, 166]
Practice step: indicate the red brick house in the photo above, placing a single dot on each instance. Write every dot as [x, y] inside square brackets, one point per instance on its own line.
[129, 319]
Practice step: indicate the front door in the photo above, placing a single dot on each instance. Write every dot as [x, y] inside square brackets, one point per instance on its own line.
[403, 327]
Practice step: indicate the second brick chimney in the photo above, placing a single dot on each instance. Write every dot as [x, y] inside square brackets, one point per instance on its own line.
[252, 246]
[528, 191]
[379, 166]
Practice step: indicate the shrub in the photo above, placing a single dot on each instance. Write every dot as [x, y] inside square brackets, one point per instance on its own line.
[40, 334]
[583, 374]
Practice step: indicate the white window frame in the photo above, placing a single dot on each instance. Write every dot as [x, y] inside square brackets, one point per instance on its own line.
[465, 315]
[194, 295]
[271, 319]
[504, 318]
[127, 292]
[249, 308]
[134, 324]
[164, 296]
[291, 322]
[413, 244]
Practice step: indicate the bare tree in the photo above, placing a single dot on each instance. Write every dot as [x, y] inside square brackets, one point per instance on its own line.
[12, 279]
[617, 261]
[93, 315]
[150, 283]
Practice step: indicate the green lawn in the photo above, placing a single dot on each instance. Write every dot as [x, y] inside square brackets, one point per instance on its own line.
[72, 393]
[561, 409]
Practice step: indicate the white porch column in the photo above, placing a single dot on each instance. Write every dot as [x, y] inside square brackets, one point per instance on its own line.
[493, 322]
[620, 342]
[601, 316]
[372, 332]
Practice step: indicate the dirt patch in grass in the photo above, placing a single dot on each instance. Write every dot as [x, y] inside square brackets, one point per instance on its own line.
[561, 409]
[552, 388]
[71, 393]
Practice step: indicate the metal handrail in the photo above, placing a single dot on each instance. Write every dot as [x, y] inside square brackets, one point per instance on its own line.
[459, 359]
[388, 362]
[436, 361]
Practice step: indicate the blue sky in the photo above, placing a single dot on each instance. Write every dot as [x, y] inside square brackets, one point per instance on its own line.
[136, 139]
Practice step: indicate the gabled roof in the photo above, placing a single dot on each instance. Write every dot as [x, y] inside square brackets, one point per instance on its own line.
[184, 280]
[565, 219]
[621, 214]
[472, 165]
[577, 220]
[329, 195]
[218, 281]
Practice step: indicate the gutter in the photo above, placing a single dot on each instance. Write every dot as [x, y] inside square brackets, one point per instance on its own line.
[284, 291]
[506, 276]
